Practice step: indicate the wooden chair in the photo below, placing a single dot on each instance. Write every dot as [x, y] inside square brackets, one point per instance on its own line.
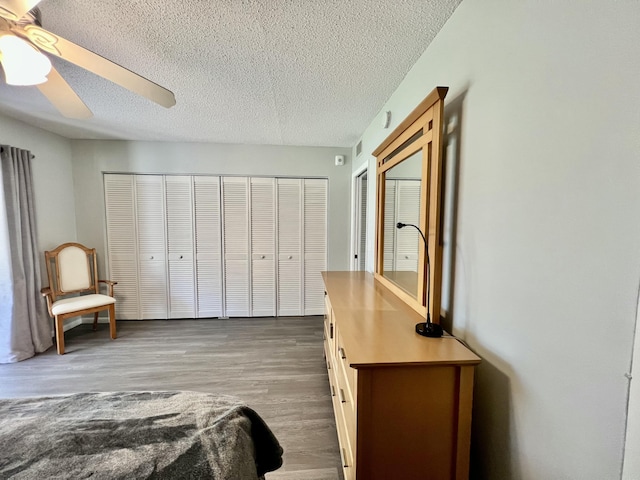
[73, 270]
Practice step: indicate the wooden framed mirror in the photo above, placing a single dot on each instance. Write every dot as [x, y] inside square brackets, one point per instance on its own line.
[409, 183]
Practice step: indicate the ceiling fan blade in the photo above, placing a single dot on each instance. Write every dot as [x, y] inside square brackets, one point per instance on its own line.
[16, 9]
[62, 96]
[93, 62]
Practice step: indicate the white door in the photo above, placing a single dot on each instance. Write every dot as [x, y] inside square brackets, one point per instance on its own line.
[289, 225]
[121, 243]
[388, 253]
[208, 246]
[263, 244]
[182, 301]
[235, 205]
[408, 239]
[151, 246]
[315, 244]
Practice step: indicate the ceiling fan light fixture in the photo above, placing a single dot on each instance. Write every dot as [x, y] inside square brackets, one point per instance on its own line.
[22, 63]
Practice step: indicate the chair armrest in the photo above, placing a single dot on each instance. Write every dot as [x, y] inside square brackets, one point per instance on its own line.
[110, 284]
[46, 292]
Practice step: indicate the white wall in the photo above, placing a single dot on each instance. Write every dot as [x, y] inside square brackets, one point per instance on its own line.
[52, 180]
[92, 158]
[546, 232]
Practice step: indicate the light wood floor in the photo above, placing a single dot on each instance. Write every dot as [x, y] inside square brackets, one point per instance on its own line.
[274, 365]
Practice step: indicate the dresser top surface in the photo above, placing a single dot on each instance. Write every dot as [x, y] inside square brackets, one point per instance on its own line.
[378, 329]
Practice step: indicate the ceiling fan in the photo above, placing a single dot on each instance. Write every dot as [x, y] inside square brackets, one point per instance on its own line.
[24, 43]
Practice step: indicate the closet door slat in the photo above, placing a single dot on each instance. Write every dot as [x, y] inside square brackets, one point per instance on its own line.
[315, 244]
[180, 246]
[388, 253]
[407, 239]
[235, 197]
[121, 243]
[289, 223]
[208, 246]
[362, 234]
[263, 241]
[151, 246]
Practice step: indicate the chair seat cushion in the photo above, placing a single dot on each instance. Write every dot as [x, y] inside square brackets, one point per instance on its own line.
[75, 304]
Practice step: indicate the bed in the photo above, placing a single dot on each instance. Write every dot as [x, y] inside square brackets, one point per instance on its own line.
[159, 435]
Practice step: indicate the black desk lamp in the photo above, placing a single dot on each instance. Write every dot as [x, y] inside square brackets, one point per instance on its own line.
[426, 329]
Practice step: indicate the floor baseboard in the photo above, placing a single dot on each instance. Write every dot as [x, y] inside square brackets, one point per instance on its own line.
[83, 320]
[74, 323]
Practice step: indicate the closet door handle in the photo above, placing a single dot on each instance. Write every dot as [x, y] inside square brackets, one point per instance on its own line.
[343, 399]
[289, 257]
[181, 257]
[343, 457]
[333, 391]
[262, 257]
[342, 354]
[151, 257]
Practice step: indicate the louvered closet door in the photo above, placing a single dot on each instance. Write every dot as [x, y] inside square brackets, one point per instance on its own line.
[315, 244]
[180, 246]
[289, 247]
[263, 243]
[408, 238]
[121, 240]
[235, 198]
[362, 225]
[389, 226]
[151, 246]
[208, 246]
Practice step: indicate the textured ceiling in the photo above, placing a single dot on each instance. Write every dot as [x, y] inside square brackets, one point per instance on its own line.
[281, 72]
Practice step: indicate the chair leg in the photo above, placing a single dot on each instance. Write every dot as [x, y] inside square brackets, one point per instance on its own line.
[60, 335]
[112, 321]
[95, 321]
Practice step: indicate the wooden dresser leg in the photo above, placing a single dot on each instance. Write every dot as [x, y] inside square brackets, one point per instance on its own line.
[112, 321]
[60, 335]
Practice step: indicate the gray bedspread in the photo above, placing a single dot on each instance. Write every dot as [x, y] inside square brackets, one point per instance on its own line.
[132, 435]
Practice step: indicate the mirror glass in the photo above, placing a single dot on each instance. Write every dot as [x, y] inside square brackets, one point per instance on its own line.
[402, 204]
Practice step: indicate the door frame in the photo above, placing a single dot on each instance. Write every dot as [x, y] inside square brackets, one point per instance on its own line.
[355, 215]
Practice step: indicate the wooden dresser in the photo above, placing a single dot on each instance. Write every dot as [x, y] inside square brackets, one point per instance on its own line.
[402, 402]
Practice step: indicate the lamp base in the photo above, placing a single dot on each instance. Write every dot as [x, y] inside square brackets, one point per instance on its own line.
[432, 330]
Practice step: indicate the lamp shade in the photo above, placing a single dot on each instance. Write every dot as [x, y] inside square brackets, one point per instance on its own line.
[22, 63]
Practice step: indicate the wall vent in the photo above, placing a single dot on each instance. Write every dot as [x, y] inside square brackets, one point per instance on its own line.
[359, 148]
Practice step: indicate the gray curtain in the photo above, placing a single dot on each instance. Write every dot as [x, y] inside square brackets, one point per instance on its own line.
[25, 328]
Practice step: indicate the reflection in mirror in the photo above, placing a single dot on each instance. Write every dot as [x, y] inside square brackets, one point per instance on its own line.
[402, 204]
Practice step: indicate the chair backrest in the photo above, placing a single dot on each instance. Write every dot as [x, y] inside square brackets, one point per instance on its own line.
[72, 268]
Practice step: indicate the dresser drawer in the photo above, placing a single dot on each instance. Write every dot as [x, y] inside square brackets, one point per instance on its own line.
[347, 403]
[328, 357]
[342, 357]
[329, 326]
[347, 458]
